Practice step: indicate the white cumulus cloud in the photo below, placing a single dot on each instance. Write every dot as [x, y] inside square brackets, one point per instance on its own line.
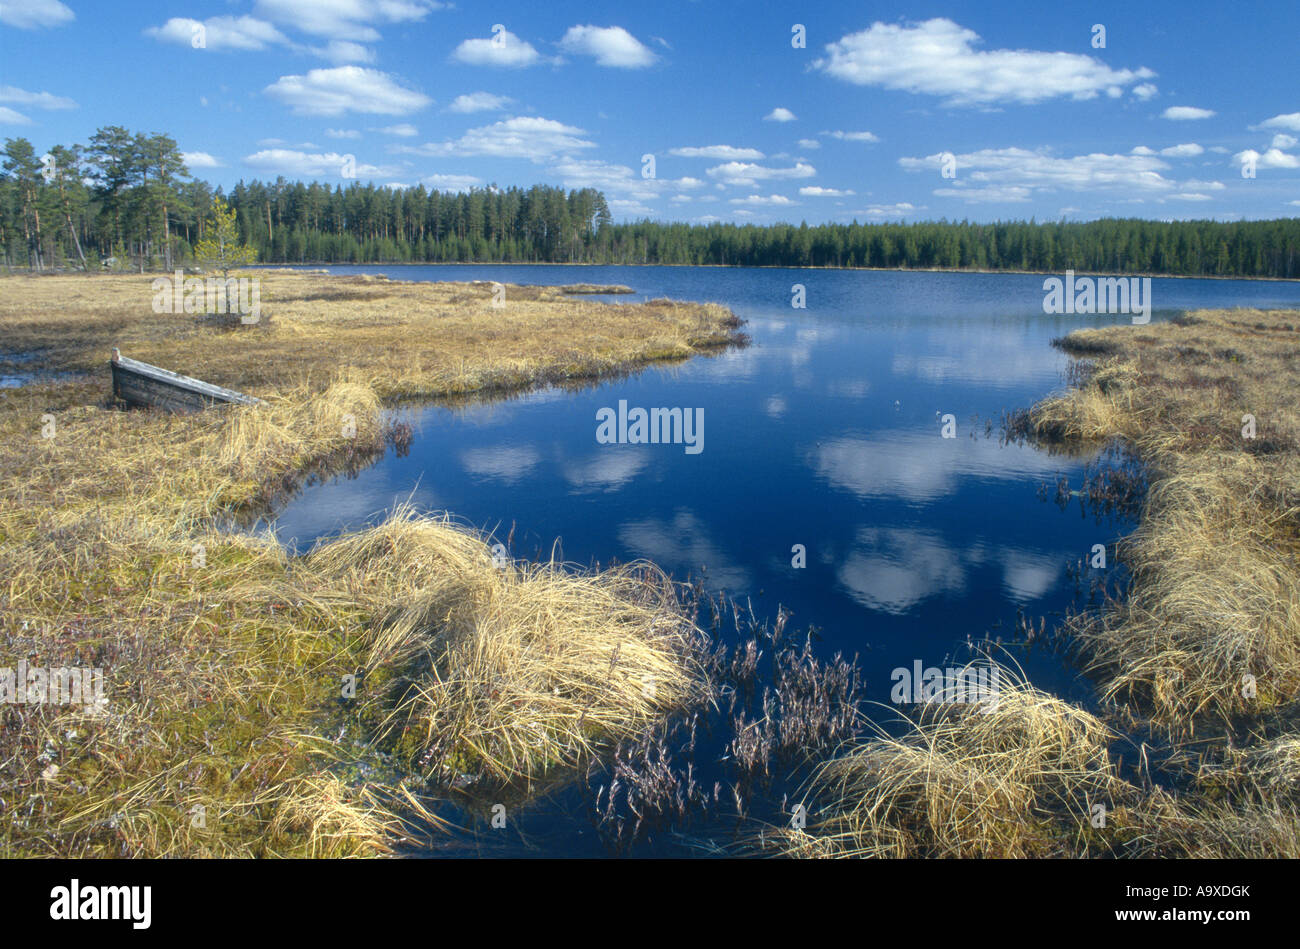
[529, 137]
[219, 33]
[1186, 113]
[746, 173]
[1010, 173]
[899, 209]
[719, 152]
[939, 57]
[30, 14]
[1289, 120]
[759, 200]
[37, 100]
[609, 46]
[290, 163]
[353, 20]
[1271, 158]
[502, 49]
[456, 183]
[478, 102]
[853, 136]
[341, 89]
[199, 160]
[993, 194]
[815, 191]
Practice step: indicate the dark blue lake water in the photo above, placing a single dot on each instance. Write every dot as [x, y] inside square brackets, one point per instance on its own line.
[825, 432]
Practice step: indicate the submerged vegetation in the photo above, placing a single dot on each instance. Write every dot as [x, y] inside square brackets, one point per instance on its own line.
[230, 728]
[772, 708]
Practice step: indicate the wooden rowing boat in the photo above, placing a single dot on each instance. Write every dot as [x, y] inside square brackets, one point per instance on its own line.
[139, 383]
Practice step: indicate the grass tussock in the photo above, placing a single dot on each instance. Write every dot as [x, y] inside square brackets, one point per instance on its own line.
[1211, 625]
[1250, 826]
[1013, 779]
[1034, 777]
[507, 671]
[225, 732]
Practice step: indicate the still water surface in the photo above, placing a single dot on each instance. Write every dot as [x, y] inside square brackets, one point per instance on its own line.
[825, 432]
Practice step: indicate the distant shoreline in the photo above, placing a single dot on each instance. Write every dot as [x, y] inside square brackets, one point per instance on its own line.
[16, 272]
[951, 270]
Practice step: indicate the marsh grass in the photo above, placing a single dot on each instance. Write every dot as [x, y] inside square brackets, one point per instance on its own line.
[111, 559]
[1215, 561]
[412, 340]
[1015, 779]
[505, 671]
[226, 731]
[1206, 642]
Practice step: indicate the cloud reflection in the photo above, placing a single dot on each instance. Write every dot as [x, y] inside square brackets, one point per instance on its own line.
[985, 355]
[345, 504]
[1027, 576]
[894, 569]
[683, 544]
[921, 466]
[607, 470]
[507, 463]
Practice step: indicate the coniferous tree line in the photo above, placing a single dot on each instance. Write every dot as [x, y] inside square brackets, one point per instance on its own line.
[1111, 245]
[127, 200]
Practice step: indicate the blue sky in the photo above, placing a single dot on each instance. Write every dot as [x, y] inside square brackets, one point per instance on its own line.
[914, 111]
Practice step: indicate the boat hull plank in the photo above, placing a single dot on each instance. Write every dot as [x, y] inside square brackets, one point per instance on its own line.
[139, 383]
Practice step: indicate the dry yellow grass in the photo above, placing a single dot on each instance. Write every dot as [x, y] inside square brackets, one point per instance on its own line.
[1211, 625]
[1034, 778]
[112, 557]
[506, 669]
[1209, 634]
[225, 732]
[1015, 779]
[403, 339]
